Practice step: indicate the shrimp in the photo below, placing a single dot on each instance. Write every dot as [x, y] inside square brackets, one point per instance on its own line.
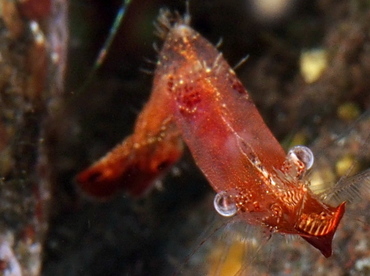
[231, 144]
[206, 106]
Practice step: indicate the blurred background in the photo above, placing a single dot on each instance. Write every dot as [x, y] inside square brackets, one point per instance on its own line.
[307, 72]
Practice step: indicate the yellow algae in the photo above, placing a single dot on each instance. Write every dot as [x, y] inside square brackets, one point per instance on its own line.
[270, 9]
[348, 111]
[299, 138]
[312, 64]
[347, 165]
[296, 139]
[226, 263]
[321, 179]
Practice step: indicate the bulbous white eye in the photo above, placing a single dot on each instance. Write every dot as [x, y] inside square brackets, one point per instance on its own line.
[225, 205]
[303, 154]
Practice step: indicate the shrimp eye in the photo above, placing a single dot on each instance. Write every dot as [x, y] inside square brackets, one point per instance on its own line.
[224, 204]
[302, 154]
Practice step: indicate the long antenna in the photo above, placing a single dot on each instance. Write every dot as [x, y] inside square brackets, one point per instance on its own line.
[107, 44]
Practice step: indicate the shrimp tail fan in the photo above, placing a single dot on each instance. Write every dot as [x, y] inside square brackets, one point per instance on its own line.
[324, 242]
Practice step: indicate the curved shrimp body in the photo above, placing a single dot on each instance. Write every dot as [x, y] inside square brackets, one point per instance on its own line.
[197, 98]
[232, 145]
[141, 158]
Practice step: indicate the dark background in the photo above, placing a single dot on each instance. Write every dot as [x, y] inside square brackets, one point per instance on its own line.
[153, 235]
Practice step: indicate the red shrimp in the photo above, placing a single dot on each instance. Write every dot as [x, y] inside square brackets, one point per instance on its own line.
[203, 103]
[234, 148]
[142, 157]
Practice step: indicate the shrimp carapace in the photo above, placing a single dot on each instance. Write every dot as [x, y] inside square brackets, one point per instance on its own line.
[234, 148]
[197, 97]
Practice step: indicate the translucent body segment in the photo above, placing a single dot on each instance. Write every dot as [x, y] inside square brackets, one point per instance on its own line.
[197, 97]
[213, 110]
[232, 145]
[224, 205]
[143, 157]
[302, 154]
[298, 161]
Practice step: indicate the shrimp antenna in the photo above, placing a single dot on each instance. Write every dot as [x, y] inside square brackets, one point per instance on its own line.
[107, 44]
[187, 17]
[241, 62]
[206, 235]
